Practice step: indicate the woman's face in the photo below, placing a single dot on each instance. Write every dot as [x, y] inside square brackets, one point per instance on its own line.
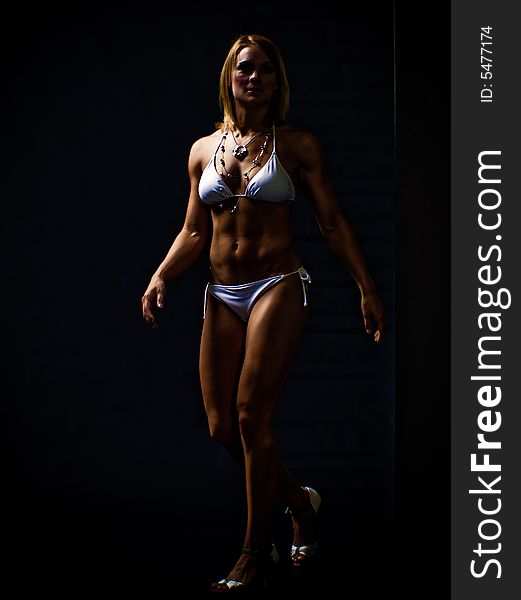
[253, 79]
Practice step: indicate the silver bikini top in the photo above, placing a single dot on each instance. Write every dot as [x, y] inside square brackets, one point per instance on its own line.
[271, 183]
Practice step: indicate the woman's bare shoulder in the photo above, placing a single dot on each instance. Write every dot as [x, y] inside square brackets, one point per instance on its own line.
[204, 147]
[299, 139]
[210, 139]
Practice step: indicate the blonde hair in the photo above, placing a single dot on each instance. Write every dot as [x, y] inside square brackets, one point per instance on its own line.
[280, 100]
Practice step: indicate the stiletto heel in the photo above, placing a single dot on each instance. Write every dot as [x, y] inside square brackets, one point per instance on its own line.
[301, 555]
[270, 559]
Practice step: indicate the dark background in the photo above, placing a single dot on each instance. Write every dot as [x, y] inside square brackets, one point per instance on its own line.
[110, 474]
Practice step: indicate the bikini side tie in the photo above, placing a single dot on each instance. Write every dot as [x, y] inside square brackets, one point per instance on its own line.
[304, 277]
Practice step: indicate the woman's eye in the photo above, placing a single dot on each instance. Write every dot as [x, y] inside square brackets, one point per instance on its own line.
[248, 68]
[245, 67]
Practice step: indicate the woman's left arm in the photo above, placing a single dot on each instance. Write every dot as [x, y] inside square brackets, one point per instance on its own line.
[336, 229]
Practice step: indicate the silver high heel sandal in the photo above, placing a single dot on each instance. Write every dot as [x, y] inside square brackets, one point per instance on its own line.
[261, 581]
[301, 555]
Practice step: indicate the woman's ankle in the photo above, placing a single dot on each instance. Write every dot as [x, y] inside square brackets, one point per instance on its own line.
[257, 546]
[301, 502]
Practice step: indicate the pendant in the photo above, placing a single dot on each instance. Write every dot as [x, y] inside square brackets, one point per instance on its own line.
[240, 152]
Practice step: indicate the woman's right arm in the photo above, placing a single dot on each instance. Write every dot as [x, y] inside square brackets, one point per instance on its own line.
[187, 245]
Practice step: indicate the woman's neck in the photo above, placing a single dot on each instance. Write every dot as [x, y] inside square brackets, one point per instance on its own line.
[250, 121]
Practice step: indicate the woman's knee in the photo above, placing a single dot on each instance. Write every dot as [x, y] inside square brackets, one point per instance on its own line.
[224, 433]
[254, 429]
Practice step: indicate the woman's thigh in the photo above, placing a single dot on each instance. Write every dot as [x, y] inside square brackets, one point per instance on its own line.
[274, 330]
[220, 360]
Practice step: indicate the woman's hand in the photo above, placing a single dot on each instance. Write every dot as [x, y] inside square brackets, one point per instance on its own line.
[373, 312]
[154, 295]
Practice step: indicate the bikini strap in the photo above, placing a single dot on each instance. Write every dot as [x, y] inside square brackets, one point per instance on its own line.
[304, 276]
[273, 151]
[219, 144]
[205, 299]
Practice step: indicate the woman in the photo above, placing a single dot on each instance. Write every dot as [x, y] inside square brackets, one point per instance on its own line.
[243, 177]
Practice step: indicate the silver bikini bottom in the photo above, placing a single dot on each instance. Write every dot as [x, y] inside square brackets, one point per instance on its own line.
[241, 297]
